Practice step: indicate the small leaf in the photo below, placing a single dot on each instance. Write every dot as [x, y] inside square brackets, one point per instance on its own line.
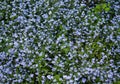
[107, 9]
[104, 5]
[98, 7]
[57, 77]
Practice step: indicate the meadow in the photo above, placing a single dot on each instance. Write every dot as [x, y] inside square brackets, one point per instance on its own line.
[59, 42]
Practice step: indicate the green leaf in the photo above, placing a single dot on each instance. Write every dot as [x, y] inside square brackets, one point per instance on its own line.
[118, 82]
[104, 5]
[66, 50]
[98, 7]
[57, 77]
[107, 9]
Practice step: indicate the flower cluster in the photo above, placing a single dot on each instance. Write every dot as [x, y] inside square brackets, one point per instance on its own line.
[58, 41]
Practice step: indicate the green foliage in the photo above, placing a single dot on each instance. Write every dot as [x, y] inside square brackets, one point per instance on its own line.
[118, 82]
[102, 7]
[71, 40]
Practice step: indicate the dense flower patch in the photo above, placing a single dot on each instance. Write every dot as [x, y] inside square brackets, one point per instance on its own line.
[59, 41]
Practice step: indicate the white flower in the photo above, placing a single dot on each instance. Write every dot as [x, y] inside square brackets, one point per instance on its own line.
[71, 81]
[1, 75]
[67, 77]
[83, 80]
[49, 77]
[16, 44]
[83, 5]
[15, 35]
[45, 15]
[110, 75]
[23, 63]
[31, 75]
[13, 15]
[50, 12]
